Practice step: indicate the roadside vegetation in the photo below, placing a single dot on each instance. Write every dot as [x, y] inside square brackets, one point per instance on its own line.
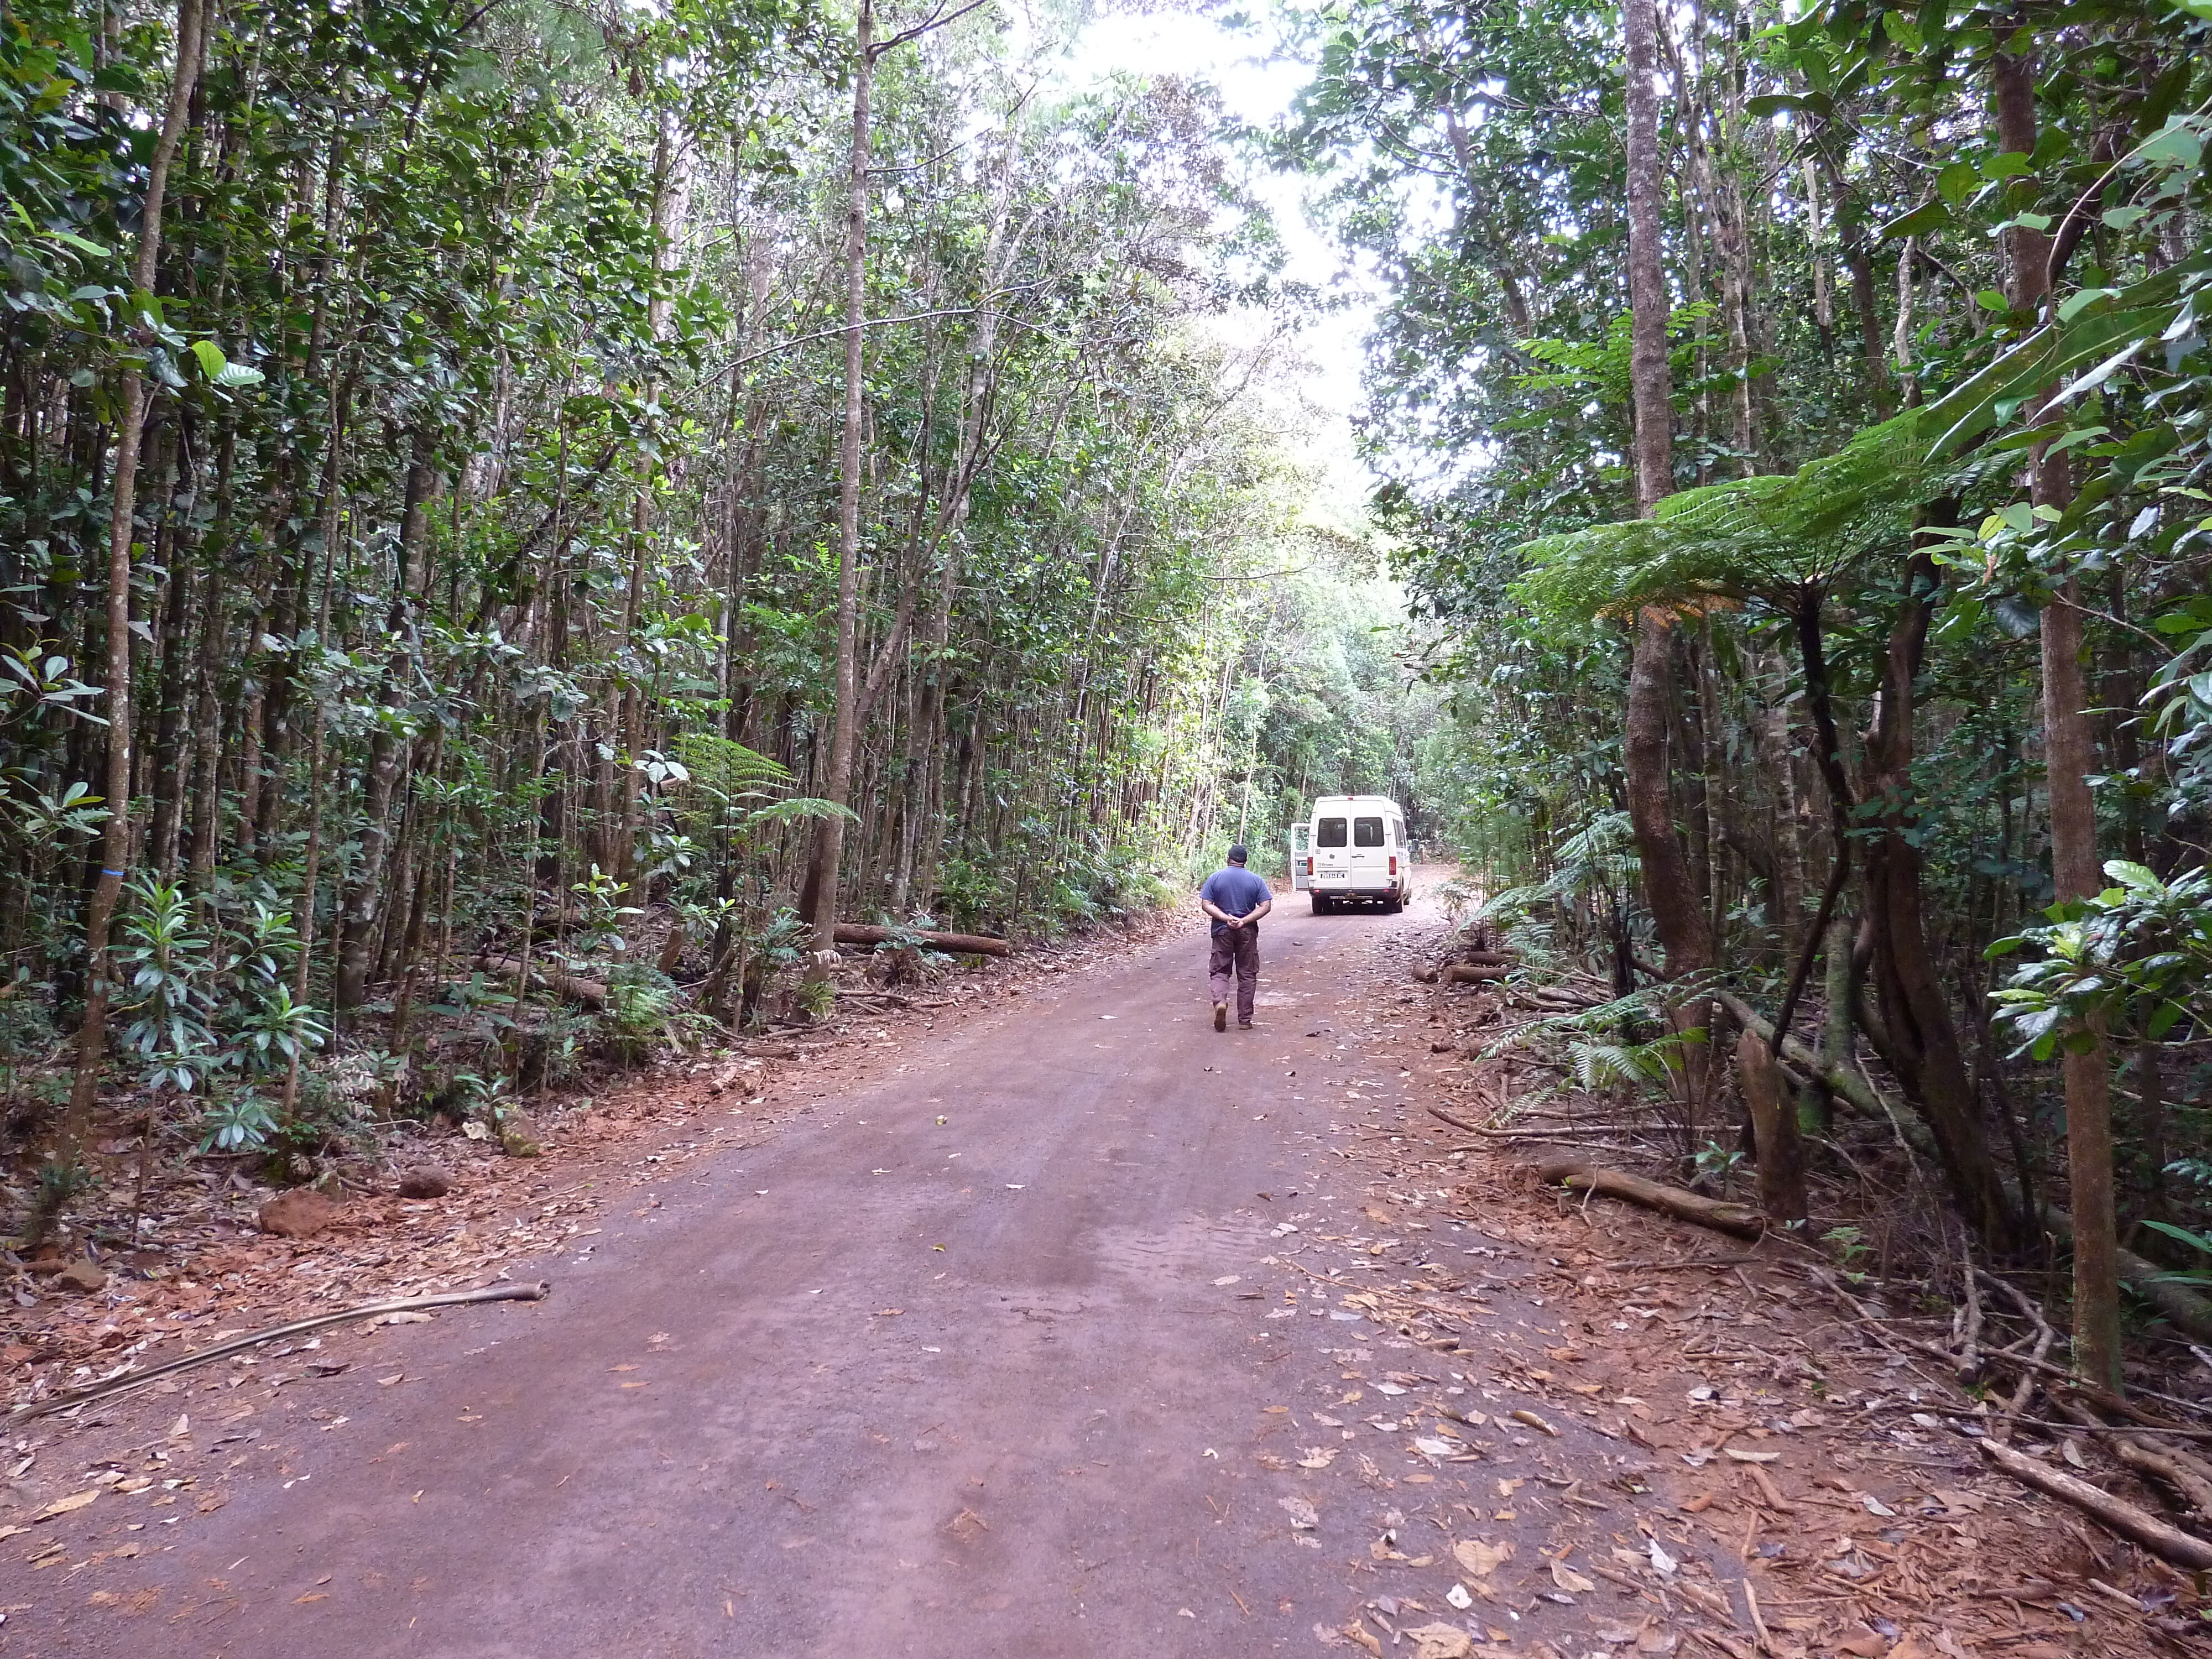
[516, 521]
[1798, 442]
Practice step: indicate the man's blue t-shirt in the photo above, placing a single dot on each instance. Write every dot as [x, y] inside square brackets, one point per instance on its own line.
[1235, 889]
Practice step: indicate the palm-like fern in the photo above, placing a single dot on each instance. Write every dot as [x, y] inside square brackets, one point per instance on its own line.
[1766, 536]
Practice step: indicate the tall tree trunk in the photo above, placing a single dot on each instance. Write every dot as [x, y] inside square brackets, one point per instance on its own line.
[115, 834]
[2069, 757]
[819, 900]
[1666, 883]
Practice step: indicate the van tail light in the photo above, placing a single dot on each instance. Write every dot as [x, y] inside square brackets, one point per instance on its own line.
[1394, 864]
[1310, 864]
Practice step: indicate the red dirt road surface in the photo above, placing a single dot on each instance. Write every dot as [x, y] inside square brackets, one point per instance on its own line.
[1078, 1328]
[943, 1369]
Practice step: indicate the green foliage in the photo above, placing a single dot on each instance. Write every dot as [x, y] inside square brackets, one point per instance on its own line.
[2137, 956]
[1763, 537]
[242, 1123]
[1597, 1066]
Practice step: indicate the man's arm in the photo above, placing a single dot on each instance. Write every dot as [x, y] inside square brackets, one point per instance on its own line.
[1265, 905]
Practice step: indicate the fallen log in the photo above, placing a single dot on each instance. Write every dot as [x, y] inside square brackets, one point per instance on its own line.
[969, 945]
[2137, 1525]
[2190, 1312]
[1468, 973]
[2181, 1472]
[1681, 1204]
[588, 992]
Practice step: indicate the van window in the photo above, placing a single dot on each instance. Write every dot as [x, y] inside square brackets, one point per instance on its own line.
[1367, 832]
[1328, 832]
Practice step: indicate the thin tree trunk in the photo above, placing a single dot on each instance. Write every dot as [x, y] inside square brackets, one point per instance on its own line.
[366, 896]
[1915, 1035]
[2068, 756]
[115, 835]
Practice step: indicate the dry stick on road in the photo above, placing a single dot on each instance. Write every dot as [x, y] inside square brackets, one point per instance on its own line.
[23, 1413]
[2139, 1525]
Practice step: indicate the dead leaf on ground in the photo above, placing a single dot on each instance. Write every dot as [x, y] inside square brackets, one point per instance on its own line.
[1440, 1641]
[967, 1526]
[1479, 1559]
[1568, 1579]
[76, 1500]
[1304, 1518]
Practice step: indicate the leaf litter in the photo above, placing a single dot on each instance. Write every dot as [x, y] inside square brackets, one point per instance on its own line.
[1617, 1363]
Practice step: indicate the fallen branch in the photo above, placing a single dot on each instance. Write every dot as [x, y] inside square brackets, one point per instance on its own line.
[1681, 1204]
[969, 944]
[588, 992]
[537, 1292]
[2191, 1314]
[2181, 1473]
[2117, 1514]
[1456, 1122]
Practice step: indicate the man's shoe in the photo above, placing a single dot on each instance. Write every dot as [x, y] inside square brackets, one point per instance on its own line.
[1220, 1016]
[1243, 1024]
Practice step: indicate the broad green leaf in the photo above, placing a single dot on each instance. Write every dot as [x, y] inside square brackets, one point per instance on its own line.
[2179, 145]
[2076, 304]
[1957, 181]
[1928, 216]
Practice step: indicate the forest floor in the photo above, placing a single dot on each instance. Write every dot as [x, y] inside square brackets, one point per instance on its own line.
[1051, 1323]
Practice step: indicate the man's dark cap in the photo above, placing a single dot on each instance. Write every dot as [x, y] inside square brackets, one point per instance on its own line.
[1237, 855]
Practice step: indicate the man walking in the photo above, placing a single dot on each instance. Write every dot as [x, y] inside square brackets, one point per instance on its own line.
[1236, 899]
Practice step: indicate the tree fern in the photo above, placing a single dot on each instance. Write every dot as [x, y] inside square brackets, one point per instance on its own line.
[730, 769]
[1761, 537]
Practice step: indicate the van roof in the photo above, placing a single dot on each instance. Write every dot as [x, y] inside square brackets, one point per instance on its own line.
[1384, 801]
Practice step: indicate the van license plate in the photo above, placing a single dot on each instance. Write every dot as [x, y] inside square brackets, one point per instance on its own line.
[1332, 875]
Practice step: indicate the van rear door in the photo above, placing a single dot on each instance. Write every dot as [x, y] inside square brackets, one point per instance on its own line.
[1370, 854]
[1332, 852]
[1301, 865]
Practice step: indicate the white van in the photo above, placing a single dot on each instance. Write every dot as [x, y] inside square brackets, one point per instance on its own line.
[1353, 850]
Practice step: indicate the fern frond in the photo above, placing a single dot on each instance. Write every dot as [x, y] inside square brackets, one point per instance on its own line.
[1761, 537]
[728, 768]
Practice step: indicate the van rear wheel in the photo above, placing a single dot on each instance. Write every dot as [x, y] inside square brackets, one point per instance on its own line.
[1322, 906]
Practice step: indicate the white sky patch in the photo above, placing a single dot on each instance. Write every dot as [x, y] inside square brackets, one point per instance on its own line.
[1329, 346]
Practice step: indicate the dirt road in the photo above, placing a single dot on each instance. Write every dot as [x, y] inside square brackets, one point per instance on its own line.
[1080, 1329]
[967, 1363]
